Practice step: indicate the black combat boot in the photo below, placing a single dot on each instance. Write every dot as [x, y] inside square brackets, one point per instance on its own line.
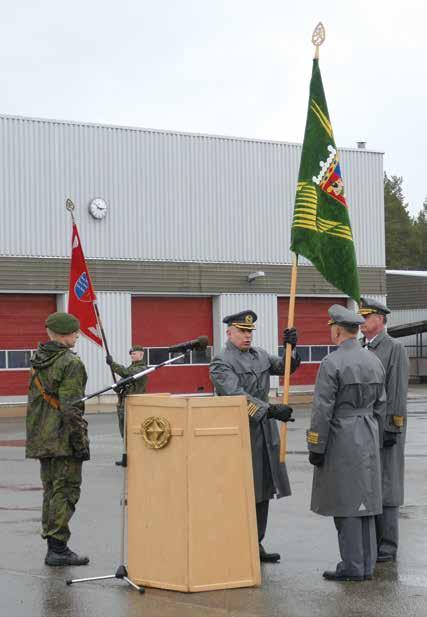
[58, 554]
[268, 557]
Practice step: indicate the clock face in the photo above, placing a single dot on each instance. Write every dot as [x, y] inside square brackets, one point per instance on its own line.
[98, 208]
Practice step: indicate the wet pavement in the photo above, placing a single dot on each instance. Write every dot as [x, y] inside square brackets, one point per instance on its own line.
[292, 588]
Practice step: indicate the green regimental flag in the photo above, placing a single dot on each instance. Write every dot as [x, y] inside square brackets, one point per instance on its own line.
[321, 229]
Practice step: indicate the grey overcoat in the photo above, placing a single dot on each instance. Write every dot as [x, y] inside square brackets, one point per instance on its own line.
[234, 372]
[395, 361]
[349, 402]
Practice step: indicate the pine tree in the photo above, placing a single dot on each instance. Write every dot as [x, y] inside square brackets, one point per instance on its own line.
[401, 254]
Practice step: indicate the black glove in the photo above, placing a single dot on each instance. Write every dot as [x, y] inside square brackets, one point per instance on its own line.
[280, 412]
[109, 359]
[390, 439]
[290, 336]
[316, 458]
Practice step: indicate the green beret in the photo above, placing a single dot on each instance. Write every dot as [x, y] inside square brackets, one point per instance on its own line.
[62, 323]
[136, 348]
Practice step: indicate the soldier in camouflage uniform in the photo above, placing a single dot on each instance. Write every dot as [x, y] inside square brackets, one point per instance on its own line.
[57, 433]
[395, 361]
[138, 387]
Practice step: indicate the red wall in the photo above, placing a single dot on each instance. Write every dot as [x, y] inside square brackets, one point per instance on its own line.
[22, 318]
[311, 321]
[165, 321]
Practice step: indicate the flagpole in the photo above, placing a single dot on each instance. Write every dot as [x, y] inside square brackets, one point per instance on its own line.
[287, 355]
[69, 204]
[317, 39]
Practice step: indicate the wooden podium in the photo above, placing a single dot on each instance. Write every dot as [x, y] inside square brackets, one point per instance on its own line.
[191, 505]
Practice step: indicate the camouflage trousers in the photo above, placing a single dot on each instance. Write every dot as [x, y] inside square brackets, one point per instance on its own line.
[121, 418]
[61, 478]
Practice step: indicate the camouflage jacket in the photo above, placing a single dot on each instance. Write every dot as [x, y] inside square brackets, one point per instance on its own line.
[55, 427]
[139, 386]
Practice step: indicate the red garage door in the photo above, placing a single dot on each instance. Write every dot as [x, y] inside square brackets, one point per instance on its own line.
[314, 342]
[158, 323]
[22, 318]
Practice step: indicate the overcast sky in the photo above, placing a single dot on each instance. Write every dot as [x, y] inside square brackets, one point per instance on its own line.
[228, 67]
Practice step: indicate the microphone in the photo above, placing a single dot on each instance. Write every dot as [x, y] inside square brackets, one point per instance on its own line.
[198, 343]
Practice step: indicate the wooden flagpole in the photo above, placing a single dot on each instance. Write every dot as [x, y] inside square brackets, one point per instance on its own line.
[287, 355]
[317, 39]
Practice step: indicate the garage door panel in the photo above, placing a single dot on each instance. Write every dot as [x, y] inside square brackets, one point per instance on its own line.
[22, 319]
[311, 320]
[164, 321]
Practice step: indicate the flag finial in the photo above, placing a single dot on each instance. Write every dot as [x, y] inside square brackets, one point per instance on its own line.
[318, 37]
[70, 207]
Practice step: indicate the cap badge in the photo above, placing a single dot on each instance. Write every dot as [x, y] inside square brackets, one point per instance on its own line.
[249, 319]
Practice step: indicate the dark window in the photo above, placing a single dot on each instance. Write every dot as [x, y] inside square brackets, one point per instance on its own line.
[304, 352]
[18, 359]
[202, 356]
[184, 360]
[2, 359]
[157, 355]
[332, 348]
[318, 353]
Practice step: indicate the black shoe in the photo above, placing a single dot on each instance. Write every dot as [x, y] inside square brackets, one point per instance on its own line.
[268, 557]
[383, 557]
[66, 558]
[332, 575]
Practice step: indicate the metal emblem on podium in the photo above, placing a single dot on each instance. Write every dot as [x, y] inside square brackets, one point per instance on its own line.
[156, 432]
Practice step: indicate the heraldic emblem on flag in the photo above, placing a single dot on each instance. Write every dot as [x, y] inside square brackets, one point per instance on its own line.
[81, 294]
[321, 229]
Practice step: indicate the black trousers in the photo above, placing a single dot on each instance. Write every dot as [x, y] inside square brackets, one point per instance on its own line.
[261, 518]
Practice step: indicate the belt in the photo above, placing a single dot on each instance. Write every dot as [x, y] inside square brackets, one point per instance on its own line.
[351, 412]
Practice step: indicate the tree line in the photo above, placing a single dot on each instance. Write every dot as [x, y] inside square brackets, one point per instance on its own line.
[405, 235]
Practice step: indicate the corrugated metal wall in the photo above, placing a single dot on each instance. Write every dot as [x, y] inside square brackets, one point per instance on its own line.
[115, 310]
[264, 305]
[406, 291]
[406, 316]
[171, 196]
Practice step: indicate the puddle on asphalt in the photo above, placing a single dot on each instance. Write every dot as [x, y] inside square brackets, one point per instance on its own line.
[20, 487]
[12, 443]
[21, 509]
[413, 512]
[413, 580]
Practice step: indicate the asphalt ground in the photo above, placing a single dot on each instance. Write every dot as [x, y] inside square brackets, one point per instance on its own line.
[292, 588]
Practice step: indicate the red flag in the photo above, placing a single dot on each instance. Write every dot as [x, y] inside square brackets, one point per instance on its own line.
[81, 298]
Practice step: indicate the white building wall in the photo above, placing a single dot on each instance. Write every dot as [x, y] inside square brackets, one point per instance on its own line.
[264, 305]
[171, 196]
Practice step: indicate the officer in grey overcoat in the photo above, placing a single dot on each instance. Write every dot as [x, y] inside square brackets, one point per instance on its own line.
[343, 441]
[395, 361]
[242, 369]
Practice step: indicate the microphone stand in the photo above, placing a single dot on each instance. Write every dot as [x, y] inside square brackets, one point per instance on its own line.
[121, 572]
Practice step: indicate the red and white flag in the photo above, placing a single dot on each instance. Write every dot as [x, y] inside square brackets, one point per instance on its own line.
[82, 298]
